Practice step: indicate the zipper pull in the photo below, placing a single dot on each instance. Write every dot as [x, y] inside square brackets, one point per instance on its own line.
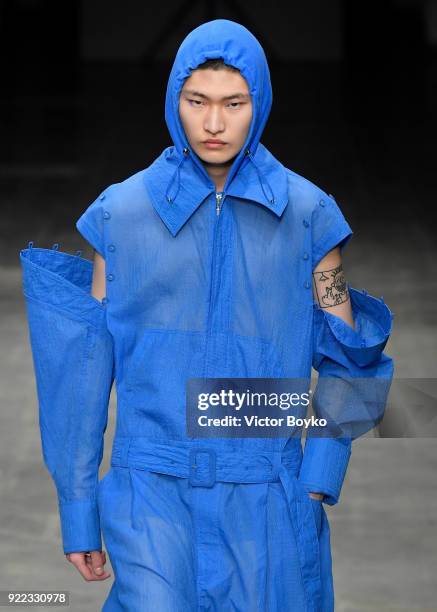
[218, 197]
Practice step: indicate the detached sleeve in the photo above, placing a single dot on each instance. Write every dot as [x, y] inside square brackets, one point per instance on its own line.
[342, 353]
[73, 362]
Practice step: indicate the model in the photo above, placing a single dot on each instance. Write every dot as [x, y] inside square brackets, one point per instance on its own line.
[215, 261]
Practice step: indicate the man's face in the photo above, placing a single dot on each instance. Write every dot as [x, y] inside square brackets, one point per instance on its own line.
[215, 105]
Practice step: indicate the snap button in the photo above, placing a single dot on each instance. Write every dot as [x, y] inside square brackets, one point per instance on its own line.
[305, 256]
[106, 215]
[102, 196]
[307, 284]
[111, 247]
[305, 222]
[110, 277]
[105, 300]
[322, 202]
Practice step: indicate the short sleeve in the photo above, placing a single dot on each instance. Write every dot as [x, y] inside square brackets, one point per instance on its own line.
[329, 228]
[91, 223]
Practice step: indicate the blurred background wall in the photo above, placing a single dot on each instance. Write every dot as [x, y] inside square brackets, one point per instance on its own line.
[82, 106]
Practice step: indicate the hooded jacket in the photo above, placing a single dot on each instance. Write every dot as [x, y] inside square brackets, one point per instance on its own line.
[193, 290]
[177, 181]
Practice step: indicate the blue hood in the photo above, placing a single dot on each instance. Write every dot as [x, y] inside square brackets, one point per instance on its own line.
[177, 181]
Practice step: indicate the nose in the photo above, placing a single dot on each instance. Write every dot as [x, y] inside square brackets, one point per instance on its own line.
[214, 121]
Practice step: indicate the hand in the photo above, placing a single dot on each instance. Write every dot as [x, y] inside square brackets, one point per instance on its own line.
[318, 496]
[89, 564]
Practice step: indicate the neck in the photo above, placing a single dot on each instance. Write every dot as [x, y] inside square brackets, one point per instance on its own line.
[218, 173]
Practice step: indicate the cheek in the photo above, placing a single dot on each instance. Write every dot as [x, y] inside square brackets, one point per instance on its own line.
[182, 116]
[186, 117]
[191, 123]
[242, 126]
[248, 119]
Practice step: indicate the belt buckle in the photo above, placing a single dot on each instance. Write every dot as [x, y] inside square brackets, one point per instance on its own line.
[194, 478]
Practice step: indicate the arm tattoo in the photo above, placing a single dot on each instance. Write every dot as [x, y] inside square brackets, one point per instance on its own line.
[331, 287]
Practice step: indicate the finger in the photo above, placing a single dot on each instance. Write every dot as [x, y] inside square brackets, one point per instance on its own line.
[79, 562]
[97, 562]
[88, 558]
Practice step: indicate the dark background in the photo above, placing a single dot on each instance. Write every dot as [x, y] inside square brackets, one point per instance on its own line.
[83, 86]
[354, 110]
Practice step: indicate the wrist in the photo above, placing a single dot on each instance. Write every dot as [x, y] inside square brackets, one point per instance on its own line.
[318, 496]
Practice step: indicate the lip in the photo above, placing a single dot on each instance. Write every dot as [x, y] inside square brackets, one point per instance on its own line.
[214, 144]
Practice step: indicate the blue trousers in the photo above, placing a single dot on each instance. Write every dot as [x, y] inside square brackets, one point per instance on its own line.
[193, 530]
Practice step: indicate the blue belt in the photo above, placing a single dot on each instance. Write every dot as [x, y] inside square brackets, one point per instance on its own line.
[204, 466]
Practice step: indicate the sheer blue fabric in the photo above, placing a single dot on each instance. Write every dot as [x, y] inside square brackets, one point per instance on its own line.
[223, 523]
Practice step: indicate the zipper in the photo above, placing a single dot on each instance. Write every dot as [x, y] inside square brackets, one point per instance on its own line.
[218, 199]
[219, 196]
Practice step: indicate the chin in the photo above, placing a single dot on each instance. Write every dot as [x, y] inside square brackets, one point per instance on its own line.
[215, 157]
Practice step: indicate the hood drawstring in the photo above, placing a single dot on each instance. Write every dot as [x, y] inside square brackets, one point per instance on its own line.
[271, 199]
[186, 152]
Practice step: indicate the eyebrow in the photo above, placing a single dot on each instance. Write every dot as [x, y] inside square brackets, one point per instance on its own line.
[193, 92]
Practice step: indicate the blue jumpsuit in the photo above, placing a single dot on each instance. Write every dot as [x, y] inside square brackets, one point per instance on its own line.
[197, 286]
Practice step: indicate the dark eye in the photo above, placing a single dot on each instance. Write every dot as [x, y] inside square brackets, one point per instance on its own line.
[196, 102]
[232, 104]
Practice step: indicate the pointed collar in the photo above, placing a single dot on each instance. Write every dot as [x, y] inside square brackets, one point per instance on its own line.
[261, 178]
